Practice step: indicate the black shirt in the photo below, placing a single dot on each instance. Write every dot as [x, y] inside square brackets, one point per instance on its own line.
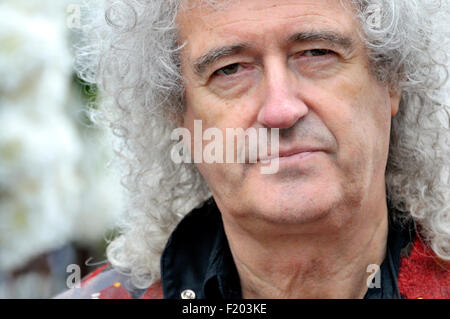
[197, 257]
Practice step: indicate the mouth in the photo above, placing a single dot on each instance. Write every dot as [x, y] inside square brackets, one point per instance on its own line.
[291, 154]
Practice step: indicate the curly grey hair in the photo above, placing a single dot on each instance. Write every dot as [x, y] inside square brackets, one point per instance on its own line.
[130, 51]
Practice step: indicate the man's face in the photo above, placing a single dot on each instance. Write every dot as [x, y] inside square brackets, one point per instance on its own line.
[300, 66]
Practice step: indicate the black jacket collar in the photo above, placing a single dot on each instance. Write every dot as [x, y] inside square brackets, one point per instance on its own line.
[197, 257]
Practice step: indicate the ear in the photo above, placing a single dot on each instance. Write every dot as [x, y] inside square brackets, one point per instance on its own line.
[176, 119]
[395, 97]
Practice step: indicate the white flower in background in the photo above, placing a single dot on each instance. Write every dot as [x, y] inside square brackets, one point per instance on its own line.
[54, 183]
[101, 200]
[35, 63]
[39, 183]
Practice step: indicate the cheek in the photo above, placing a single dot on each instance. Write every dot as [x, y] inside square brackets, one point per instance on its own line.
[204, 106]
[358, 116]
[367, 128]
[215, 112]
[372, 111]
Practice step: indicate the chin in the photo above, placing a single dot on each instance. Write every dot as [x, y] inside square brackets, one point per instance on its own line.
[296, 204]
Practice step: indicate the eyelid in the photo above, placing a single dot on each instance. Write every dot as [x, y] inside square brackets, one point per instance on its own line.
[242, 67]
[226, 66]
[328, 51]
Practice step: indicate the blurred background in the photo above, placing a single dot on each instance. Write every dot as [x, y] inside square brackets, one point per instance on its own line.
[58, 198]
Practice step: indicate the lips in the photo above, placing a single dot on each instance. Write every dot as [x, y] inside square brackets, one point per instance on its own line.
[285, 153]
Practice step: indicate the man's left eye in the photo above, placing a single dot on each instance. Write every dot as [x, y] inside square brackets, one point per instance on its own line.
[316, 52]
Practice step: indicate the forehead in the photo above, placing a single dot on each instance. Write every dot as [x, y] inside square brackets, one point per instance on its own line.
[261, 22]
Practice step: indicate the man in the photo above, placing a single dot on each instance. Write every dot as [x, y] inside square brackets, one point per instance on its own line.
[357, 207]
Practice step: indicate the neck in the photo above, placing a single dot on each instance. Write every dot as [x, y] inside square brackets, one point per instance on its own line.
[322, 264]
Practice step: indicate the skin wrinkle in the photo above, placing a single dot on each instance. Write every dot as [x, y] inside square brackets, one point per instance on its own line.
[330, 38]
[209, 58]
[415, 29]
[317, 17]
[308, 274]
[299, 208]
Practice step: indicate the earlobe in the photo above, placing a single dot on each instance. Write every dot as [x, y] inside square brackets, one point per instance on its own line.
[176, 119]
[395, 97]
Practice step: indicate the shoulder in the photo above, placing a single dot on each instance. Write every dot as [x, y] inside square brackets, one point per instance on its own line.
[422, 274]
[107, 283]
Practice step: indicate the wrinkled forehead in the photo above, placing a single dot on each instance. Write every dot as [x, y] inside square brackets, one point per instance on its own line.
[213, 5]
[248, 20]
[264, 27]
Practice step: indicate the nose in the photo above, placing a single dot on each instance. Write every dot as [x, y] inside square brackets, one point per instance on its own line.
[282, 105]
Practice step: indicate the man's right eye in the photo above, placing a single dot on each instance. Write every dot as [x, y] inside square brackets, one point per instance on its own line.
[229, 70]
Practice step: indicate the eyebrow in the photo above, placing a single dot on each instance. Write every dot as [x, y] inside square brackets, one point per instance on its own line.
[334, 38]
[213, 55]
